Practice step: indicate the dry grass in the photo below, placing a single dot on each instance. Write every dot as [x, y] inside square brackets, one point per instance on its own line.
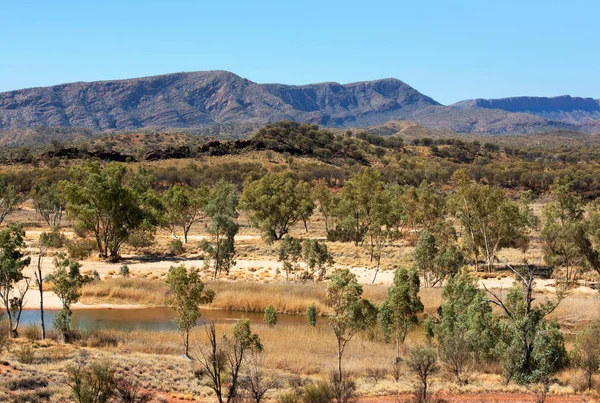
[126, 290]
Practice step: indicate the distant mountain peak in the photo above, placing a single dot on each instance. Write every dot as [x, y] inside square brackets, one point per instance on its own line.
[562, 108]
[197, 99]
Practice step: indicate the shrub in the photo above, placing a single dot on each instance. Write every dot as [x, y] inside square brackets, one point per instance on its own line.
[320, 392]
[32, 332]
[311, 315]
[270, 317]
[26, 355]
[53, 239]
[94, 383]
[176, 247]
[124, 269]
[81, 248]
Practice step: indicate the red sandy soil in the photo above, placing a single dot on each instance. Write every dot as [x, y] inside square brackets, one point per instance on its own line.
[469, 398]
[480, 398]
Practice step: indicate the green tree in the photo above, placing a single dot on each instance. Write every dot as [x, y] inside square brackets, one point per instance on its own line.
[184, 206]
[48, 201]
[565, 233]
[225, 357]
[351, 313]
[104, 205]
[356, 205]
[420, 207]
[10, 198]
[532, 348]
[317, 258]
[276, 202]
[466, 329]
[324, 199]
[222, 210]
[435, 260]
[187, 292]
[399, 313]
[13, 283]
[311, 315]
[66, 284]
[290, 251]
[270, 317]
[587, 352]
[491, 220]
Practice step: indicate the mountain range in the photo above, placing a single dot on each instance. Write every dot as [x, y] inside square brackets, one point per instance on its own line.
[217, 98]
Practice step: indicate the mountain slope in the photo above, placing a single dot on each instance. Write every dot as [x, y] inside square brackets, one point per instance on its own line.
[205, 98]
[563, 108]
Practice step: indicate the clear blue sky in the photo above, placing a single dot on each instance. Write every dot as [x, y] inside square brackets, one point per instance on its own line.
[449, 50]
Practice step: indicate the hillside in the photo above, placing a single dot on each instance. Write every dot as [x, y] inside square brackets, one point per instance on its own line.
[204, 99]
[564, 108]
[223, 105]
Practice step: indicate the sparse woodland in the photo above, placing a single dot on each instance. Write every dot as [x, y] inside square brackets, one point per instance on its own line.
[423, 268]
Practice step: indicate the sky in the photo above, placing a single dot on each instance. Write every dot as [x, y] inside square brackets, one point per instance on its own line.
[448, 50]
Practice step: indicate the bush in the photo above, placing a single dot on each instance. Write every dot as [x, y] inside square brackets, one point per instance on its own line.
[81, 248]
[320, 392]
[344, 391]
[53, 239]
[176, 247]
[141, 238]
[311, 315]
[94, 383]
[32, 332]
[26, 355]
[124, 270]
[289, 397]
[270, 316]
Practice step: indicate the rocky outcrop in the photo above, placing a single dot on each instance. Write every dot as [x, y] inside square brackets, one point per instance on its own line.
[204, 99]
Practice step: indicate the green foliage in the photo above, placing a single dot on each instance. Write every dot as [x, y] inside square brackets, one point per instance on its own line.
[351, 313]
[187, 292]
[225, 358]
[10, 199]
[399, 313]
[436, 261]
[490, 219]
[311, 315]
[270, 317]
[66, 284]
[222, 209]
[80, 248]
[317, 259]
[276, 202]
[53, 239]
[566, 233]
[290, 251]
[586, 354]
[176, 247]
[124, 270]
[104, 205]
[12, 263]
[466, 317]
[184, 206]
[93, 383]
[532, 348]
[48, 201]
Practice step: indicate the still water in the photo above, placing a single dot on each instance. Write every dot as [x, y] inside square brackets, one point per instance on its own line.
[155, 319]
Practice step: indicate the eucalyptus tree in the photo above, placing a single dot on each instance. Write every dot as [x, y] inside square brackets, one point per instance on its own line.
[13, 283]
[351, 313]
[276, 202]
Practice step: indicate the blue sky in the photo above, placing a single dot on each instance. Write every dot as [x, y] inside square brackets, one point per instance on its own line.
[449, 50]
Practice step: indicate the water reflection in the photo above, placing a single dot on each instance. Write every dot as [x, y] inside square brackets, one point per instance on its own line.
[154, 319]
